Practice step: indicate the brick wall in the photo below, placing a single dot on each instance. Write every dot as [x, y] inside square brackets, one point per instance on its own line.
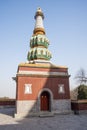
[7, 102]
[79, 105]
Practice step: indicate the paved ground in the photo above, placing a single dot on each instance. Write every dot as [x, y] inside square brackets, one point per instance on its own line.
[59, 122]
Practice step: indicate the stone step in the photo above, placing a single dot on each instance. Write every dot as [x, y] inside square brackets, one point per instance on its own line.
[46, 114]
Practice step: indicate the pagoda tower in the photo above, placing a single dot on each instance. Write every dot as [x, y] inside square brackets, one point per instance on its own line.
[41, 87]
[39, 42]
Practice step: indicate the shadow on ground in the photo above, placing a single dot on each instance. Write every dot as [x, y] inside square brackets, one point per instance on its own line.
[58, 122]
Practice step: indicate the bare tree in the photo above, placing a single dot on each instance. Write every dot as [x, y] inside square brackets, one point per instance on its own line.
[81, 76]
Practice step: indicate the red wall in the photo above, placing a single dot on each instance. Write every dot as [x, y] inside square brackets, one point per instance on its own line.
[39, 83]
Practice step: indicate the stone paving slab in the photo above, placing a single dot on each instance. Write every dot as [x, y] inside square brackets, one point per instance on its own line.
[58, 122]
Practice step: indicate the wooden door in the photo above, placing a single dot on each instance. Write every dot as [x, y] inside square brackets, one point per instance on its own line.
[45, 101]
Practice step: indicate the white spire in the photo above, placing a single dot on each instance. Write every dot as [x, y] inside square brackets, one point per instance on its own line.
[39, 28]
[39, 18]
[39, 22]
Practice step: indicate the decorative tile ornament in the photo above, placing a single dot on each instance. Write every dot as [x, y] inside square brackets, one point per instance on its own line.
[28, 89]
[61, 88]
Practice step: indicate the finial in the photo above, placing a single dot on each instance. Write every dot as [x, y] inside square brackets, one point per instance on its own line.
[39, 13]
[39, 9]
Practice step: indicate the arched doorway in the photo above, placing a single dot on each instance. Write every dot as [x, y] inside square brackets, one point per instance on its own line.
[45, 101]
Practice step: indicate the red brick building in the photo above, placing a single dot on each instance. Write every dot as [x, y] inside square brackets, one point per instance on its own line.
[40, 85]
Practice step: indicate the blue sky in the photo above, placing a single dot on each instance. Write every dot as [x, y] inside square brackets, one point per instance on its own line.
[66, 27]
